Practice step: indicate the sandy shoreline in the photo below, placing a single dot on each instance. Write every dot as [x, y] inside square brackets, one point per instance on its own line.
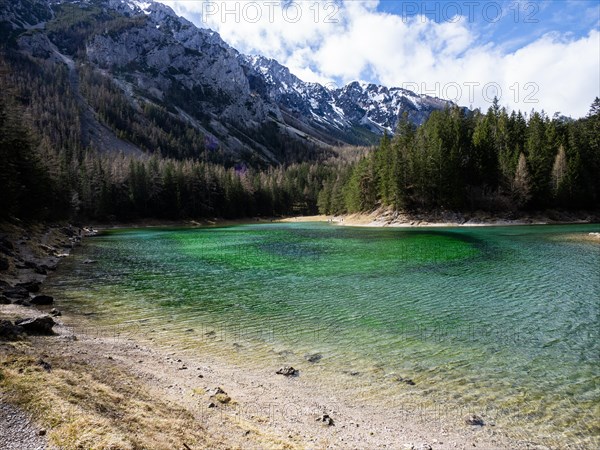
[382, 218]
[264, 410]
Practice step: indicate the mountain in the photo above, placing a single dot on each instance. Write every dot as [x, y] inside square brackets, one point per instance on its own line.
[374, 108]
[144, 79]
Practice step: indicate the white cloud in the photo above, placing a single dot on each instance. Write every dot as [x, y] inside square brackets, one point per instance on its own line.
[322, 42]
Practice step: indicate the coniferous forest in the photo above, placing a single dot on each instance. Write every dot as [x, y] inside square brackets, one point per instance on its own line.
[457, 160]
[463, 161]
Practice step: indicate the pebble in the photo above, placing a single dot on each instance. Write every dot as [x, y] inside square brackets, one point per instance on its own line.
[288, 371]
[474, 420]
[326, 420]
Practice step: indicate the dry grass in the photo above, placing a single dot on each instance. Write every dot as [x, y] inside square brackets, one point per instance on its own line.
[94, 407]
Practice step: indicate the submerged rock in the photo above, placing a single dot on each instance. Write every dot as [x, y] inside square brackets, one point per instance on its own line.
[55, 312]
[4, 300]
[288, 371]
[37, 325]
[405, 381]
[315, 357]
[4, 264]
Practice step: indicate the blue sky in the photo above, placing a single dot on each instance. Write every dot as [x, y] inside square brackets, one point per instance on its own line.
[509, 22]
[534, 54]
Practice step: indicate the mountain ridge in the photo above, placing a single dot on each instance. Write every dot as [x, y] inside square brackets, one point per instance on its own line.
[250, 107]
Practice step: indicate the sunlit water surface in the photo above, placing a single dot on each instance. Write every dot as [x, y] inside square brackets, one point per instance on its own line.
[501, 321]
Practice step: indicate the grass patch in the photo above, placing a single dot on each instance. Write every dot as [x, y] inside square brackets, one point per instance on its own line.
[95, 407]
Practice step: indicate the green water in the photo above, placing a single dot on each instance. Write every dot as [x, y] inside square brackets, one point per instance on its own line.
[502, 321]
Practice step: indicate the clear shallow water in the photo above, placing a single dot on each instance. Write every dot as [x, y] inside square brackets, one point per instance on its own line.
[501, 321]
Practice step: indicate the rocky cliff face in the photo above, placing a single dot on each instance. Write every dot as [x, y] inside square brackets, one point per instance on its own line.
[244, 105]
[376, 108]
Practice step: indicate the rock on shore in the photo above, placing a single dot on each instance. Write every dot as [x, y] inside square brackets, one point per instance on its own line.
[28, 254]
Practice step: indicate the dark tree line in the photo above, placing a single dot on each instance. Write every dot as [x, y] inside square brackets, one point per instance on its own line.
[26, 184]
[126, 188]
[462, 161]
[41, 183]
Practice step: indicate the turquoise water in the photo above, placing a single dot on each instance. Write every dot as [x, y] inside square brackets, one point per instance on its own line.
[501, 321]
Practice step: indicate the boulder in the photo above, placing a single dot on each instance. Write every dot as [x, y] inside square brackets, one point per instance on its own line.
[16, 292]
[8, 331]
[32, 265]
[37, 325]
[42, 300]
[50, 266]
[288, 371]
[68, 231]
[6, 244]
[30, 286]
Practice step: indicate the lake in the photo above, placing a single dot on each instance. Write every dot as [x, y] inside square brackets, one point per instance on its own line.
[498, 321]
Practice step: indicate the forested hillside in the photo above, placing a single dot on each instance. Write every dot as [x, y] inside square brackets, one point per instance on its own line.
[45, 180]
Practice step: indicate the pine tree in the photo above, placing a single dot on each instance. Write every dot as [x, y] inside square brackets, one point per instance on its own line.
[522, 183]
[559, 169]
